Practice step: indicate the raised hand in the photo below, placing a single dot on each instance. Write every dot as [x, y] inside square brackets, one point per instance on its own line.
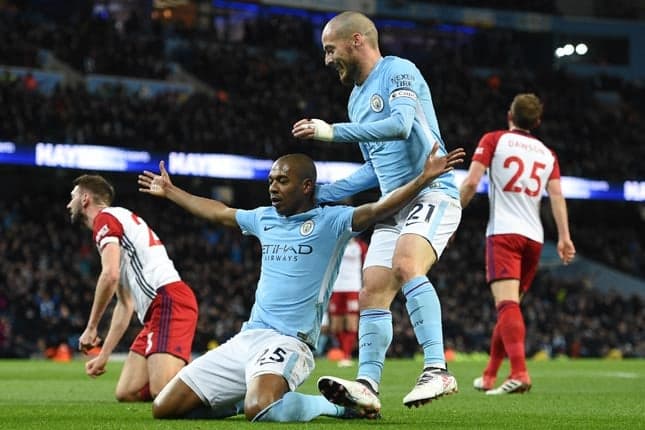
[436, 166]
[313, 129]
[154, 184]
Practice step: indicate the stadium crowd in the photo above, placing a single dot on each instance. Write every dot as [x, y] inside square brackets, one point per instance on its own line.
[48, 269]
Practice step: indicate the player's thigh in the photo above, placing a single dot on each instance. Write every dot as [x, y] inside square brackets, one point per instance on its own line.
[175, 400]
[413, 256]
[218, 377]
[505, 289]
[277, 354]
[162, 367]
[134, 376]
[426, 226]
[530, 263]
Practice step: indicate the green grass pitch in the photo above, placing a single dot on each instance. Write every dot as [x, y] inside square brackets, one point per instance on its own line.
[566, 394]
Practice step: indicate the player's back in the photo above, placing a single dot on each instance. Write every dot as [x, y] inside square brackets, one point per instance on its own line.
[145, 265]
[519, 170]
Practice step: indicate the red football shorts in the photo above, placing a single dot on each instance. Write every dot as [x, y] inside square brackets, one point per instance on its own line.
[512, 256]
[170, 323]
[343, 303]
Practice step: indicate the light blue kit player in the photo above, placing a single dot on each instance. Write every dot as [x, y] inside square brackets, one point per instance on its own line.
[394, 122]
[302, 246]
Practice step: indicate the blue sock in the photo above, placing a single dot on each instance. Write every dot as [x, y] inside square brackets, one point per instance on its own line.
[297, 407]
[321, 346]
[374, 337]
[424, 310]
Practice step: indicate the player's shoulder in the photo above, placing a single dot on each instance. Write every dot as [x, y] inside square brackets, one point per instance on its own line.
[395, 63]
[116, 211]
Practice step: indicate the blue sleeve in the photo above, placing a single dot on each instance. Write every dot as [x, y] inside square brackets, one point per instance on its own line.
[247, 220]
[362, 179]
[395, 127]
[401, 81]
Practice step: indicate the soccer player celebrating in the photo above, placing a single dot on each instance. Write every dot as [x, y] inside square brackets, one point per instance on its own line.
[134, 266]
[520, 167]
[302, 245]
[394, 121]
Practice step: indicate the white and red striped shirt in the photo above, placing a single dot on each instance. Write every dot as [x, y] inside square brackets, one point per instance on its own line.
[350, 273]
[519, 167]
[145, 265]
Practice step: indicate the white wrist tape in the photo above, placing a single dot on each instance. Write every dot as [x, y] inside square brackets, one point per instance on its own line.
[322, 130]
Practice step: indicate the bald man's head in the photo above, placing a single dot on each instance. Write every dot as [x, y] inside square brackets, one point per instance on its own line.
[345, 24]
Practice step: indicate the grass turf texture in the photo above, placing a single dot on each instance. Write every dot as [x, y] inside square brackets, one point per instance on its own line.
[567, 394]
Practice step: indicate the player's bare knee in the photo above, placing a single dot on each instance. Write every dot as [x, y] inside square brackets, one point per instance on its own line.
[252, 408]
[126, 396]
[159, 410]
[405, 269]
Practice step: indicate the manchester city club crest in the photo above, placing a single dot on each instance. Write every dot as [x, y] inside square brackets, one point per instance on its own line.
[376, 103]
[306, 228]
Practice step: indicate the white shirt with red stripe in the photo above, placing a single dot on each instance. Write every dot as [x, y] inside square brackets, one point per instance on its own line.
[145, 265]
[519, 167]
[350, 276]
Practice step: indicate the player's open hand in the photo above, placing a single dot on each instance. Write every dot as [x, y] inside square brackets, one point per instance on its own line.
[313, 129]
[154, 184]
[436, 166]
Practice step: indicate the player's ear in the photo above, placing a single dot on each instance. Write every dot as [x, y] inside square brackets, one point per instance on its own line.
[308, 186]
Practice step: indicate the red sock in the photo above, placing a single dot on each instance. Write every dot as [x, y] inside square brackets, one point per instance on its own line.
[513, 334]
[348, 342]
[497, 353]
[144, 393]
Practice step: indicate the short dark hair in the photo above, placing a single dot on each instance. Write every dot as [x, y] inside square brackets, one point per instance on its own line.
[101, 189]
[526, 111]
[302, 164]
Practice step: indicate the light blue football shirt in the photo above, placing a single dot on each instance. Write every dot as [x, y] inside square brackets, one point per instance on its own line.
[301, 255]
[393, 119]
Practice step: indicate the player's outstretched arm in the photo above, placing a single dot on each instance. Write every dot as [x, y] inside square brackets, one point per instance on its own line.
[367, 214]
[160, 185]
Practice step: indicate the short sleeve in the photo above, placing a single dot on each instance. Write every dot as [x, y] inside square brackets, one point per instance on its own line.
[486, 148]
[248, 221]
[555, 173]
[106, 229]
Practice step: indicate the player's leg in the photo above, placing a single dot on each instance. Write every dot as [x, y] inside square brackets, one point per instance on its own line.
[374, 326]
[432, 219]
[162, 368]
[349, 333]
[176, 400]
[502, 262]
[513, 333]
[211, 386]
[281, 364]
[495, 359]
[510, 250]
[170, 332]
[133, 381]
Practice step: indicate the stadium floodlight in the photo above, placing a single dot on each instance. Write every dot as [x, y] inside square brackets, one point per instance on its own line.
[582, 48]
[568, 49]
[559, 52]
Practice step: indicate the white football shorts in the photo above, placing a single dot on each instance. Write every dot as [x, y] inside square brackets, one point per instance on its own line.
[432, 215]
[220, 376]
